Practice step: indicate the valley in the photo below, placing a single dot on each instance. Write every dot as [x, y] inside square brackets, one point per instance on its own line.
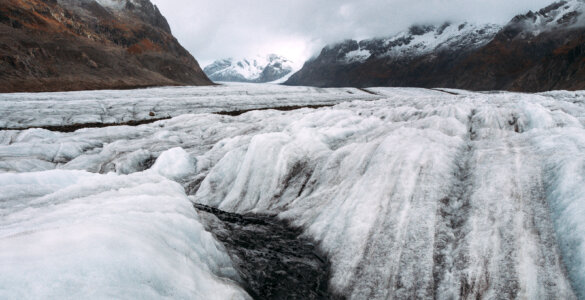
[427, 193]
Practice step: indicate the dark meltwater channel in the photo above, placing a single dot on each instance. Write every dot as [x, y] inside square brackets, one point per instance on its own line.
[272, 258]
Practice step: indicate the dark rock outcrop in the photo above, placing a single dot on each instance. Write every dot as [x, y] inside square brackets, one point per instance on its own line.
[272, 258]
[537, 51]
[59, 45]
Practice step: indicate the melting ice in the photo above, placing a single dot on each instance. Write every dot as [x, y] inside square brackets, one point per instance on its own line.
[410, 192]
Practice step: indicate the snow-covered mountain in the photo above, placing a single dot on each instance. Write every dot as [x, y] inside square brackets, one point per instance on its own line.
[261, 68]
[559, 15]
[367, 62]
[417, 41]
[536, 51]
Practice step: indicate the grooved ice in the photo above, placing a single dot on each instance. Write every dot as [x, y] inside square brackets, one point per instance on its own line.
[411, 193]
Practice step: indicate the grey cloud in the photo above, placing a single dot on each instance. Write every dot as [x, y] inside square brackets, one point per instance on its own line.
[298, 28]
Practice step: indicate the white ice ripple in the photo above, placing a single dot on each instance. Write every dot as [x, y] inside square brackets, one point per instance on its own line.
[421, 194]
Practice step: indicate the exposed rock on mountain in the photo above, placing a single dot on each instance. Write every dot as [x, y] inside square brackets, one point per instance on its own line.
[537, 51]
[416, 57]
[258, 69]
[53, 45]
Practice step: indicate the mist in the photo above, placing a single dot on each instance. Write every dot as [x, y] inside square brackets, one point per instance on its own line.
[298, 29]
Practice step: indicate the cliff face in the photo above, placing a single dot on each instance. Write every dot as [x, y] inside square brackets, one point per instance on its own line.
[534, 52]
[58, 45]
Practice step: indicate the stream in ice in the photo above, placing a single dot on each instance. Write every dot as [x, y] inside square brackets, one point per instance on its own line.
[407, 193]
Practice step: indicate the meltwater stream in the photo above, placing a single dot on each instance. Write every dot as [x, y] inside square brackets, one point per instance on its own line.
[271, 257]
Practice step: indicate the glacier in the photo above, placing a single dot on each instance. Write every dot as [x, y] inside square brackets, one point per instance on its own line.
[25, 110]
[411, 193]
[74, 234]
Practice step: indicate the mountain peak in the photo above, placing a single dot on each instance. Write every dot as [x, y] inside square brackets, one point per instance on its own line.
[420, 29]
[90, 44]
[535, 51]
[144, 10]
[562, 14]
[260, 68]
[416, 41]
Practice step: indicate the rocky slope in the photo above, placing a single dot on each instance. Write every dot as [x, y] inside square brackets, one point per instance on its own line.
[55, 45]
[534, 52]
[258, 69]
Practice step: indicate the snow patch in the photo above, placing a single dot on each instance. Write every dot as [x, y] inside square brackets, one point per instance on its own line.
[567, 14]
[447, 37]
[114, 4]
[359, 55]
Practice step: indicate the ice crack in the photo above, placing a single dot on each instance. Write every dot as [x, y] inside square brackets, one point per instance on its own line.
[272, 258]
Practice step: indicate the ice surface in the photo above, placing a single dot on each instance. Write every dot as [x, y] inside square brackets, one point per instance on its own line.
[174, 164]
[422, 193]
[74, 234]
[23, 110]
[565, 177]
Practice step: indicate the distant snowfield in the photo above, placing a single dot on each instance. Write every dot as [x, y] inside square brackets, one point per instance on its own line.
[251, 69]
[410, 192]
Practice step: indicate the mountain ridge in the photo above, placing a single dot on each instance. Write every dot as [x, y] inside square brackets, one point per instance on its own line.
[536, 51]
[257, 69]
[61, 45]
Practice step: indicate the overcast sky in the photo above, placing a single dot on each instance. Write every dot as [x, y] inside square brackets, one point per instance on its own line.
[297, 29]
